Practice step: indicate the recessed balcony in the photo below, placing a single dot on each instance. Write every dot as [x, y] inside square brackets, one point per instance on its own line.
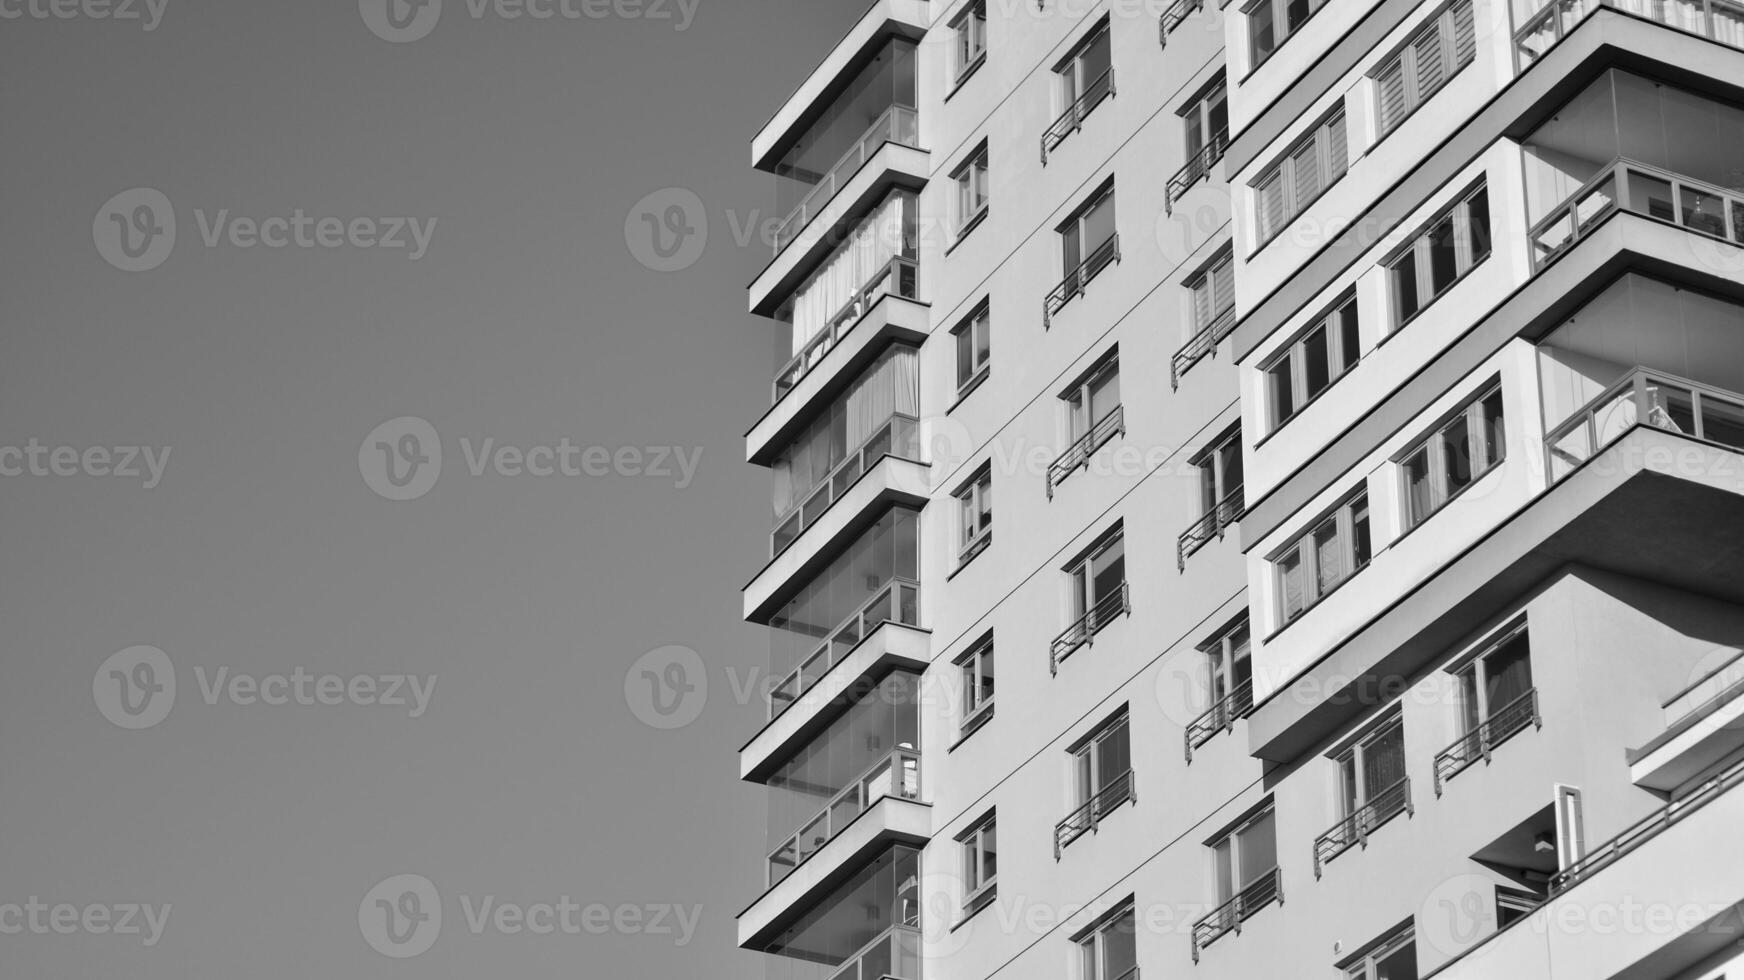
[1704, 725]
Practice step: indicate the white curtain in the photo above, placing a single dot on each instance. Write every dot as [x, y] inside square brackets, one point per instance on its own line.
[868, 249]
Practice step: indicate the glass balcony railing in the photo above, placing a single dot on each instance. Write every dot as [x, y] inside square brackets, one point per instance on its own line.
[898, 124]
[897, 602]
[1221, 717]
[897, 774]
[1355, 829]
[1084, 629]
[1203, 345]
[1625, 185]
[1503, 723]
[1079, 452]
[1208, 528]
[1089, 815]
[1073, 118]
[1197, 168]
[1720, 20]
[1101, 257]
[1228, 917]
[900, 277]
[899, 437]
[1645, 397]
[895, 955]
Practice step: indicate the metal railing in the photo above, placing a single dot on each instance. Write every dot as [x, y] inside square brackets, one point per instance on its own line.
[1174, 17]
[895, 954]
[1228, 917]
[897, 124]
[1718, 20]
[1087, 818]
[1204, 530]
[1083, 630]
[1197, 168]
[1502, 724]
[900, 277]
[1202, 345]
[1221, 718]
[898, 601]
[899, 436]
[1079, 452]
[1625, 185]
[1641, 397]
[1073, 118]
[1101, 257]
[1646, 829]
[897, 774]
[1355, 829]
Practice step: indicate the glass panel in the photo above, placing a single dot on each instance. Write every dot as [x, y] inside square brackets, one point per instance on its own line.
[1702, 210]
[1670, 408]
[1468, 700]
[1223, 868]
[1383, 760]
[1443, 261]
[1120, 948]
[1477, 209]
[1317, 366]
[989, 853]
[1295, 12]
[1650, 196]
[1722, 422]
[1456, 454]
[1108, 570]
[1405, 285]
[1495, 433]
[965, 355]
[1328, 555]
[1359, 526]
[1261, 29]
[1290, 583]
[1283, 400]
[1401, 964]
[1508, 672]
[1350, 338]
[1419, 492]
[1570, 450]
[1259, 847]
[1104, 394]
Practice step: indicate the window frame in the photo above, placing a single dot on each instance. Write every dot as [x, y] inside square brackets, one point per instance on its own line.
[1088, 777]
[1433, 449]
[1364, 965]
[1214, 469]
[1079, 399]
[1073, 229]
[977, 327]
[1283, 170]
[1420, 250]
[1471, 673]
[1232, 836]
[1343, 515]
[971, 177]
[1356, 795]
[1222, 652]
[1080, 577]
[1282, 29]
[972, 664]
[968, 40]
[1196, 115]
[1340, 360]
[974, 514]
[1092, 941]
[1202, 284]
[979, 887]
[1444, 22]
[1070, 69]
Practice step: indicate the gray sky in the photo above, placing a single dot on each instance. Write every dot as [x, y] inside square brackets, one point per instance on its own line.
[262, 551]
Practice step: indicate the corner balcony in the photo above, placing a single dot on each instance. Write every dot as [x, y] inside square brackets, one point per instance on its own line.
[1638, 188]
[1704, 725]
[1717, 20]
[898, 438]
[895, 776]
[856, 893]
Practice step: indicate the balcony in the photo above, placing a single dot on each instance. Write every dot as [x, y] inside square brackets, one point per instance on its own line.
[1228, 917]
[1208, 528]
[1503, 724]
[1197, 168]
[1221, 718]
[1100, 258]
[1073, 118]
[1203, 345]
[899, 125]
[1079, 452]
[1646, 398]
[1083, 630]
[1625, 185]
[892, 956]
[842, 904]
[1174, 17]
[899, 437]
[1704, 725]
[897, 775]
[1717, 20]
[898, 601]
[1354, 830]
[1087, 819]
[900, 278]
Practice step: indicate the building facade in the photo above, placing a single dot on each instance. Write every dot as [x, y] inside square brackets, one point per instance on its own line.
[1257, 493]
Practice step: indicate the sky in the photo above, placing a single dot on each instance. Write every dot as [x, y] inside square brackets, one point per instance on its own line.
[372, 484]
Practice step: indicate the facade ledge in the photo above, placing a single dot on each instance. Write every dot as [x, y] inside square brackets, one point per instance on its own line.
[890, 319]
[890, 481]
[891, 820]
[1709, 735]
[892, 646]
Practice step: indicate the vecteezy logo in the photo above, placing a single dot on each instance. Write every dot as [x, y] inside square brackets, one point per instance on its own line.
[136, 687]
[667, 230]
[667, 688]
[401, 917]
[1457, 913]
[400, 459]
[135, 230]
[400, 21]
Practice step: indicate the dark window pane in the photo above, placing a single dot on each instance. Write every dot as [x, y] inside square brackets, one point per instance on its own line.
[1295, 12]
[1359, 523]
[1405, 285]
[1420, 496]
[1261, 29]
[1283, 398]
[1456, 452]
[1443, 261]
[1479, 210]
[1495, 439]
[1317, 363]
[1350, 340]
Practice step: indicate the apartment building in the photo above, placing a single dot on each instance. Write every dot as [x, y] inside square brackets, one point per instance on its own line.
[1257, 493]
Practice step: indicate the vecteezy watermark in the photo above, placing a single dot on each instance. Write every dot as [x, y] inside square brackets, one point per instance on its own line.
[401, 917]
[136, 688]
[135, 231]
[667, 688]
[39, 918]
[404, 21]
[667, 230]
[402, 458]
[149, 13]
[118, 462]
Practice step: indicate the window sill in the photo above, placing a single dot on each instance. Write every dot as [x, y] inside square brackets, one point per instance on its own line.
[1307, 404]
[968, 388]
[967, 73]
[1419, 311]
[1476, 479]
[973, 905]
[974, 551]
[1329, 593]
[968, 226]
[973, 724]
[1290, 222]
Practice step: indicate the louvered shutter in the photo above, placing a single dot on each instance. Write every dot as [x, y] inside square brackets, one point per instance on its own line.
[1430, 69]
[1464, 36]
[1222, 286]
[1336, 150]
[1202, 301]
[1391, 81]
[1271, 195]
[1305, 165]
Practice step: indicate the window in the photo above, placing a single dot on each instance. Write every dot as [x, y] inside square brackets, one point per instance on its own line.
[974, 348]
[1330, 347]
[1336, 548]
[977, 673]
[975, 515]
[1457, 454]
[1087, 73]
[1246, 855]
[1097, 582]
[1230, 664]
[1213, 289]
[1427, 61]
[1207, 119]
[1496, 679]
[1271, 22]
[1291, 184]
[971, 179]
[1108, 950]
[980, 863]
[969, 38]
[1087, 238]
[1220, 476]
[1369, 769]
[1393, 958]
[1092, 400]
[1102, 761]
[1455, 241]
